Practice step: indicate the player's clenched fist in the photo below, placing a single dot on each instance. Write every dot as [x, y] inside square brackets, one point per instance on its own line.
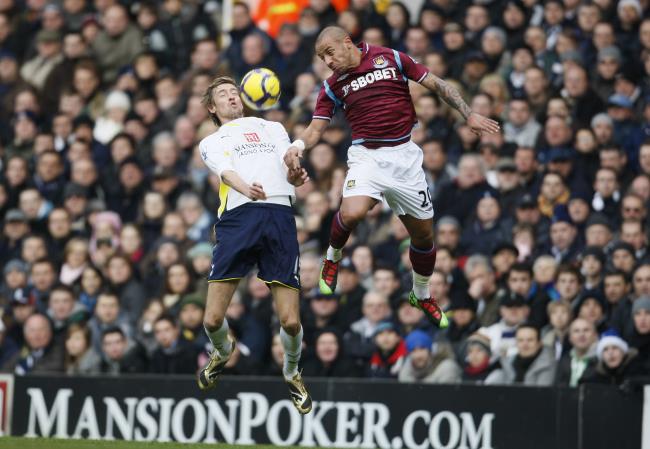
[297, 177]
[292, 158]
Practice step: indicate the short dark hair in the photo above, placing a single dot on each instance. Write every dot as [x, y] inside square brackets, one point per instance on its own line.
[113, 330]
[62, 288]
[207, 101]
[521, 267]
[166, 317]
[530, 326]
[619, 273]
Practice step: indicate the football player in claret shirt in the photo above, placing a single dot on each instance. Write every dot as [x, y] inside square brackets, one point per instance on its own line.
[370, 85]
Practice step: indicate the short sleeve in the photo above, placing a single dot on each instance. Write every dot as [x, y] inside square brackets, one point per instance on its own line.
[280, 138]
[412, 69]
[325, 106]
[218, 158]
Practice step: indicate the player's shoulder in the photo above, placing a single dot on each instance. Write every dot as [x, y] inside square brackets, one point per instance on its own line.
[219, 135]
[374, 50]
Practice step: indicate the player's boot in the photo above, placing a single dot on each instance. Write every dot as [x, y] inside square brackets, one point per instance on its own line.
[299, 394]
[328, 274]
[209, 375]
[431, 309]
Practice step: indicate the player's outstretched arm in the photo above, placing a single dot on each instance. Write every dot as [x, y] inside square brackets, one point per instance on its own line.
[254, 191]
[452, 97]
[309, 137]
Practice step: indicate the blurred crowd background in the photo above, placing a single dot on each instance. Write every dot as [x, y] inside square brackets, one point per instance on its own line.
[542, 231]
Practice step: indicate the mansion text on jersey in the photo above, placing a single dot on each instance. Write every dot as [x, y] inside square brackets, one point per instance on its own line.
[247, 149]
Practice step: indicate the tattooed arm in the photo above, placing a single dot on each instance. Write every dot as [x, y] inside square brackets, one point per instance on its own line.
[452, 97]
[448, 93]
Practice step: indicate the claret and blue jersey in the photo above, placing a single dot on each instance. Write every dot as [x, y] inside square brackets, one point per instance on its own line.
[374, 96]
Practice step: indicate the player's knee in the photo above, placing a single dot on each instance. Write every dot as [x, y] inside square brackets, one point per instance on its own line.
[423, 239]
[291, 326]
[352, 215]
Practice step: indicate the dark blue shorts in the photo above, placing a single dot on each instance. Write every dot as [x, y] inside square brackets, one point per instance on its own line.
[257, 234]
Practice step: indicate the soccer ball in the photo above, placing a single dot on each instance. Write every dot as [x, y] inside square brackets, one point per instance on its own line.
[260, 89]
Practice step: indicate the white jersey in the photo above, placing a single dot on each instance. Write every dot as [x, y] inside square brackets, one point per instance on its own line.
[254, 149]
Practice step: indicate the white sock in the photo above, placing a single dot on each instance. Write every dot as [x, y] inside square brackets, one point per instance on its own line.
[334, 254]
[421, 286]
[292, 349]
[219, 339]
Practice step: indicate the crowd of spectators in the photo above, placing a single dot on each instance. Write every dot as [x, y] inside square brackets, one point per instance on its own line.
[541, 231]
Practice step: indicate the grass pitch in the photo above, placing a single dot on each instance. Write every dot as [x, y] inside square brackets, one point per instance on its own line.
[52, 443]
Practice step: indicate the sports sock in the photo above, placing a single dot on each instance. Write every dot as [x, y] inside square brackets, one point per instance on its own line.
[339, 234]
[423, 262]
[292, 349]
[219, 339]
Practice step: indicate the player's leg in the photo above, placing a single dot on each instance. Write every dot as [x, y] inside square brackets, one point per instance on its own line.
[287, 305]
[216, 326]
[279, 263]
[353, 209]
[409, 198]
[238, 232]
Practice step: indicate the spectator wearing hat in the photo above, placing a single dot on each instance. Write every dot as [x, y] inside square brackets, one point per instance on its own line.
[528, 214]
[423, 366]
[617, 362]
[509, 185]
[608, 64]
[200, 257]
[533, 363]
[463, 323]
[581, 359]
[389, 351]
[592, 306]
[579, 209]
[36, 70]
[479, 367]
[351, 291]
[15, 228]
[118, 43]
[14, 277]
[563, 245]
[598, 231]
[638, 335]
[513, 311]
[329, 359]
[190, 318]
[627, 129]
[25, 128]
[21, 306]
[323, 313]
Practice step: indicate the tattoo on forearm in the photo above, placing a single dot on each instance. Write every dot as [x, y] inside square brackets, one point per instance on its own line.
[448, 93]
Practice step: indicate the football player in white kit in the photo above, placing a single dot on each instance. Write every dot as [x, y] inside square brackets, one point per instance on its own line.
[256, 226]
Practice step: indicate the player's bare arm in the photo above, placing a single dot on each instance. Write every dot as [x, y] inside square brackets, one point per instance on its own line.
[254, 191]
[452, 97]
[309, 137]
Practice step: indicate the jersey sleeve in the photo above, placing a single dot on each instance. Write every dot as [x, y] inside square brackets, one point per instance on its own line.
[412, 69]
[280, 138]
[325, 106]
[217, 155]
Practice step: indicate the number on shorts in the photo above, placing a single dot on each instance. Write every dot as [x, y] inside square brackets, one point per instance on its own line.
[426, 198]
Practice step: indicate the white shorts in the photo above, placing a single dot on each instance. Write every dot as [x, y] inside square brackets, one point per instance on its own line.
[391, 173]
